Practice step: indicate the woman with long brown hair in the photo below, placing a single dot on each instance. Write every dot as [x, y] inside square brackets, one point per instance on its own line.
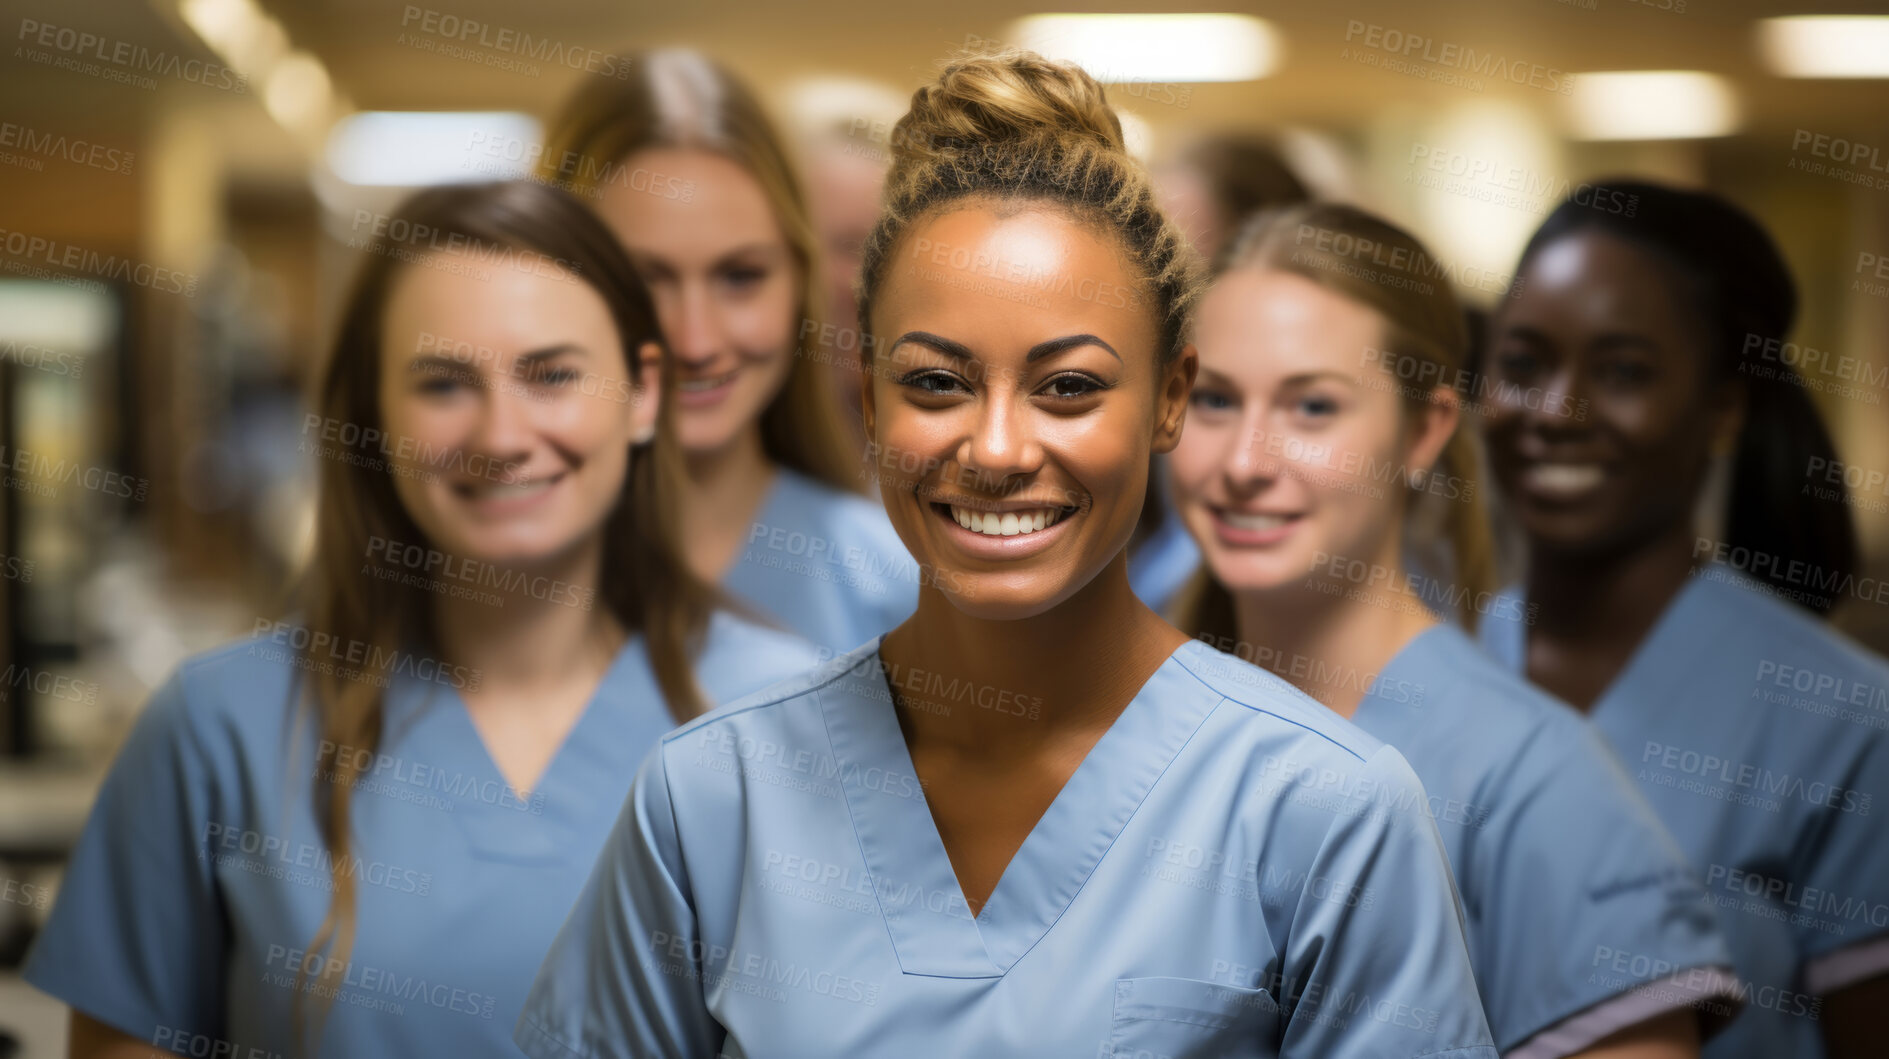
[1322, 453]
[685, 166]
[356, 832]
[1034, 819]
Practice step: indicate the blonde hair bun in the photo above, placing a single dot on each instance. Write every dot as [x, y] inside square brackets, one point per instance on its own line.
[983, 102]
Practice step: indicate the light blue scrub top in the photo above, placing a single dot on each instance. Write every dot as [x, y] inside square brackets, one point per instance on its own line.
[1560, 862]
[825, 564]
[201, 876]
[1232, 871]
[1159, 568]
[1755, 731]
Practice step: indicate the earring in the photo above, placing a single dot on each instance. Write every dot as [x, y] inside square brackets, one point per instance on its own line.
[644, 436]
[1414, 477]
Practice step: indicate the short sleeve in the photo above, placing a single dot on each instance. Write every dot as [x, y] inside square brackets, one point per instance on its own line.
[1589, 918]
[1376, 964]
[1841, 910]
[137, 939]
[624, 976]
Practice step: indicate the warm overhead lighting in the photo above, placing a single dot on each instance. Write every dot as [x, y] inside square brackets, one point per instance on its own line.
[297, 94]
[223, 24]
[389, 148]
[1826, 45]
[1118, 48]
[1651, 105]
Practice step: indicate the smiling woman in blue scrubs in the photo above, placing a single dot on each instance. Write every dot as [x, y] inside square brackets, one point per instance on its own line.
[683, 163]
[1034, 819]
[1754, 730]
[1318, 440]
[362, 826]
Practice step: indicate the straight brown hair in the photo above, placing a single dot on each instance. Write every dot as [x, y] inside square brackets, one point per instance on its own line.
[644, 582]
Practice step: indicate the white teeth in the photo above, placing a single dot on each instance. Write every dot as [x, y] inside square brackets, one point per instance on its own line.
[506, 492]
[1253, 522]
[1008, 523]
[1564, 479]
[703, 384]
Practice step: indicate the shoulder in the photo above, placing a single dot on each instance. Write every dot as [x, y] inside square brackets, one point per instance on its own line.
[1270, 709]
[249, 683]
[766, 707]
[809, 505]
[740, 656]
[1754, 617]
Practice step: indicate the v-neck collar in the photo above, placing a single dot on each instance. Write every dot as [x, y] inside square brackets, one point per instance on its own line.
[904, 853]
[532, 825]
[1688, 613]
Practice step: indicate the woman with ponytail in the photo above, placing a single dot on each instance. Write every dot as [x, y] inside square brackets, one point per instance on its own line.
[684, 165]
[1033, 819]
[1322, 449]
[355, 833]
[1638, 355]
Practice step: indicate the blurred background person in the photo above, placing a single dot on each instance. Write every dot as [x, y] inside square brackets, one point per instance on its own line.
[843, 129]
[1210, 189]
[689, 172]
[1629, 383]
[1304, 462]
[497, 628]
[1217, 182]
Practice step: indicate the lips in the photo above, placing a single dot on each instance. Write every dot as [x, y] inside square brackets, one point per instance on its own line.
[703, 391]
[1006, 523]
[507, 497]
[1003, 532]
[1562, 480]
[1249, 529]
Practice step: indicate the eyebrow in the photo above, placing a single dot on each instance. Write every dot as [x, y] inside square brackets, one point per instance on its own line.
[1313, 376]
[434, 360]
[1048, 348]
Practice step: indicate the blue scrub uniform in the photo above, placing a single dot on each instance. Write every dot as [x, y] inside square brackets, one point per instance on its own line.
[825, 564]
[201, 877]
[1561, 864]
[1231, 872]
[1159, 567]
[1755, 731]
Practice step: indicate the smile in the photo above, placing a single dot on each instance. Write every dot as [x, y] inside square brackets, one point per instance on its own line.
[1006, 523]
[706, 382]
[1562, 480]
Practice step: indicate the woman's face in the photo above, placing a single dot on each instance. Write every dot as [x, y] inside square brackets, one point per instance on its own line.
[1603, 419]
[1298, 442]
[508, 408]
[725, 283]
[1015, 384]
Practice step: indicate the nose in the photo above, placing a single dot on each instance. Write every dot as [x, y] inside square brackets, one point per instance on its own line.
[694, 332]
[1002, 443]
[1252, 460]
[504, 430]
[1563, 392]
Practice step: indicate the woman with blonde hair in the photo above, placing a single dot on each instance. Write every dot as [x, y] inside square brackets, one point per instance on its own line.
[1322, 451]
[1034, 819]
[355, 833]
[686, 168]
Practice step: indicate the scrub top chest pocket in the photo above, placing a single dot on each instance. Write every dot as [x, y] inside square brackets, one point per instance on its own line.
[1186, 1018]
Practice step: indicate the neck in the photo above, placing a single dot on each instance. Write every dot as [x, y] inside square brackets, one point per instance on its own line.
[715, 474]
[538, 632]
[1070, 669]
[722, 491]
[1608, 597]
[1327, 643]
